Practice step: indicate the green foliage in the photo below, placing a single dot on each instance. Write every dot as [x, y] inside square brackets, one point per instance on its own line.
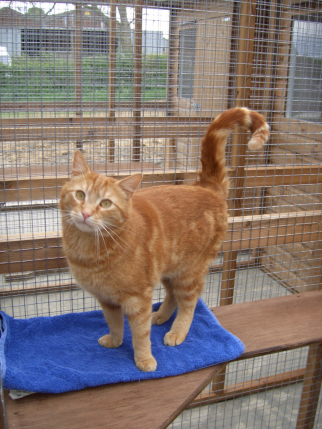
[49, 77]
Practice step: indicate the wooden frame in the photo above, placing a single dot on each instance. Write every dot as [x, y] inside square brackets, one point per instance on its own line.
[44, 251]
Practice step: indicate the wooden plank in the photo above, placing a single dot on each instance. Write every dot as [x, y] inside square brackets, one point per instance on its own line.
[258, 323]
[156, 403]
[121, 118]
[139, 405]
[12, 289]
[309, 130]
[299, 199]
[282, 156]
[46, 183]
[87, 131]
[49, 187]
[296, 272]
[249, 388]
[300, 145]
[311, 388]
[63, 106]
[38, 252]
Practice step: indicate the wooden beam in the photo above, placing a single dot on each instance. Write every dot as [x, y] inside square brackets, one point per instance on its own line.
[24, 106]
[239, 143]
[171, 144]
[20, 253]
[78, 66]
[305, 129]
[311, 388]
[86, 130]
[239, 140]
[125, 119]
[112, 78]
[137, 83]
[49, 186]
[35, 184]
[15, 285]
[249, 388]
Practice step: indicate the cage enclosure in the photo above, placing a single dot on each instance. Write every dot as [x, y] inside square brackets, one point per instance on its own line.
[134, 85]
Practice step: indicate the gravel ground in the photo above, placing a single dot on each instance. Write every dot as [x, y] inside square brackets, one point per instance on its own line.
[36, 153]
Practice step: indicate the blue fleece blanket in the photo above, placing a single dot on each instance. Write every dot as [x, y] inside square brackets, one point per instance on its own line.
[61, 353]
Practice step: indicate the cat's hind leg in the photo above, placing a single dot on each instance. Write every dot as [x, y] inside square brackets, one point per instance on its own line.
[187, 298]
[167, 307]
[115, 321]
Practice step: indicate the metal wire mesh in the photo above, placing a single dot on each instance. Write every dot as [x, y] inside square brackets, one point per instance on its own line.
[135, 86]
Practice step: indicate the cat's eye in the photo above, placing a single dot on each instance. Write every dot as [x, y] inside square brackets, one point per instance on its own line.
[106, 204]
[80, 195]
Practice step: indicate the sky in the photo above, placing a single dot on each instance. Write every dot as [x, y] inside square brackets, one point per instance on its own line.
[153, 19]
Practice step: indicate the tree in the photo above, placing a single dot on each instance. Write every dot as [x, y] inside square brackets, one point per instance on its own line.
[125, 31]
[36, 12]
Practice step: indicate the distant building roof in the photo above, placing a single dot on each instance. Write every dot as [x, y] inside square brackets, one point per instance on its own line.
[91, 18]
[10, 18]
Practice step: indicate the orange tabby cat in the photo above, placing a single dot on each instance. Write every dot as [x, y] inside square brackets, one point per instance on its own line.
[119, 243]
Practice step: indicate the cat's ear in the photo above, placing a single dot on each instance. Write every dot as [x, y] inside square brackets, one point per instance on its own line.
[80, 166]
[129, 184]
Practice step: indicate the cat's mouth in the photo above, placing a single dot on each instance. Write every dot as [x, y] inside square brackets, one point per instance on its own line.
[83, 225]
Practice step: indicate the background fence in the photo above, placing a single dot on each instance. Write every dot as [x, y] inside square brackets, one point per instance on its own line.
[135, 85]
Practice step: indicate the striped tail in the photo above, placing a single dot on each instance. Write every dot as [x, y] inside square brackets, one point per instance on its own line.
[214, 170]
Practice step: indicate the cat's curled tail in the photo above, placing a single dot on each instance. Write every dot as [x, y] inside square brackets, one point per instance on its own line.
[214, 170]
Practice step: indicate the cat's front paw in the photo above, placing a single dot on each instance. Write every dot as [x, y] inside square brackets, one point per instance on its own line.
[173, 339]
[107, 341]
[147, 365]
[158, 318]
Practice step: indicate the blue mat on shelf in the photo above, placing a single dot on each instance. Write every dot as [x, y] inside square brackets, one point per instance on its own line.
[61, 353]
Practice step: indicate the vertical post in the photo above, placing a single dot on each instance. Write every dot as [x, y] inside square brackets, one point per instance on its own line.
[311, 388]
[137, 83]
[171, 144]
[238, 153]
[239, 140]
[111, 71]
[171, 62]
[78, 66]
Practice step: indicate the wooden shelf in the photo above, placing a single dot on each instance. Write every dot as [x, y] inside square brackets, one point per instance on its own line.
[265, 326]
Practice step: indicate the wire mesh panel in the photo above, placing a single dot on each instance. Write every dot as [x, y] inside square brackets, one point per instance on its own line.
[134, 86]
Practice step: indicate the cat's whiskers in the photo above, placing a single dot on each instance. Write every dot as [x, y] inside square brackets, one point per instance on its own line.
[112, 231]
[67, 218]
[98, 229]
[118, 244]
[97, 246]
[118, 227]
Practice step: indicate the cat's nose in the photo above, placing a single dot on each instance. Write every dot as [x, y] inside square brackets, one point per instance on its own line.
[86, 215]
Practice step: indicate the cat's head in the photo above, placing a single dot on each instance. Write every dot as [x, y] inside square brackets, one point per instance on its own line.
[91, 201]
